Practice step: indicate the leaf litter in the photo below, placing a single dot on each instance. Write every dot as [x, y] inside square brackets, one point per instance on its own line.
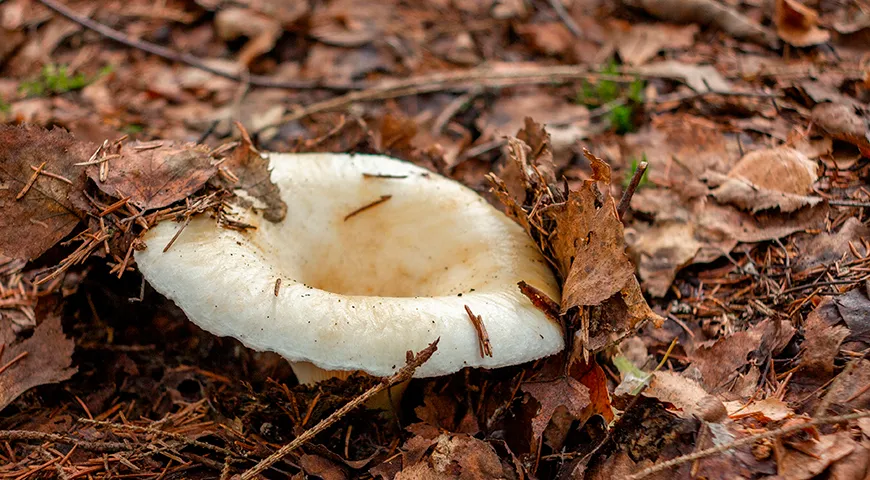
[746, 240]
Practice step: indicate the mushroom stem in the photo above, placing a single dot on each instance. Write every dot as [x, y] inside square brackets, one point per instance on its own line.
[309, 374]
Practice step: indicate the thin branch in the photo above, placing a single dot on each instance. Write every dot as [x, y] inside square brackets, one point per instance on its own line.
[404, 374]
[188, 59]
[359, 210]
[566, 18]
[744, 441]
[625, 201]
[26, 435]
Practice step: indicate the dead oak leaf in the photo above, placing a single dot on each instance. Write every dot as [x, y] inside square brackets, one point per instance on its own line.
[48, 359]
[551, 395]
[36, 217]
[822, 338]
[155, 175]
[843, 123]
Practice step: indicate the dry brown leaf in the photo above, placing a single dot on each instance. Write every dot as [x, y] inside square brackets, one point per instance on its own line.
[720, 360]
[590, 247]
[768, 410]
[565, 121]
[854, 309]
[639, 43]
[797, 24]
[458, 457]
[810, 458]
[548, 38]
[321, 467]
[45, 213]
[848, 391]
[254, 175]
[662, 250]
[48, 359]
[700, 78]
[686, 395]
[843, 123]
[765, 179]
[564, 392]
[350, 23]
[822, 339]
[155, 177]
[826, 248]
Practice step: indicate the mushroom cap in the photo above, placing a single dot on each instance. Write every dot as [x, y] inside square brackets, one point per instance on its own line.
[358, 291]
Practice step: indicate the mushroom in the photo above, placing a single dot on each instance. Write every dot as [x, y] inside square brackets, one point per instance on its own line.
[375, 257]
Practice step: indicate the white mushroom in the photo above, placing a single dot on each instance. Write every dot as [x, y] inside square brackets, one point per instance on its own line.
[359, 287]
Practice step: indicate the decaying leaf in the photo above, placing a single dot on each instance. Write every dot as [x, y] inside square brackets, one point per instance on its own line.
[797, 24]
[458, 456]
[663, 249]
[700, 78]
[854, 309]
[153, 174]
[810, 458]
[639, 43]
[822, 339]
[765, 179]
[849, 391]
[563, 392]
[720, 360]
[37, 209]
[46, 357]
[254, 177]
[770, 409]
[686, 395]
[826, 248]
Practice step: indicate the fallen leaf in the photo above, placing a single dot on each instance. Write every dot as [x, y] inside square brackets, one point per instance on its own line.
[321, 467]
[564, 392]
[154, 175]
[856, 465]
[700, 78]
[686, 395]
[567, 122]
[822, 338]
[765, 179]
[662, 251]
[459, 456]
[797, 24]
[48, 359]
[843, 123]
[45, 213]
[254, 178]
[854, 308]
[812, 457]
[770, 409]
[350, 23]
[548, 38]
[849, 391]
[826, 248]
[639, 43]
[719, 360]
[589, 243]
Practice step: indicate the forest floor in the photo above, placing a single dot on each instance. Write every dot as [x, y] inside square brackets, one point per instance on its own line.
[724, 328]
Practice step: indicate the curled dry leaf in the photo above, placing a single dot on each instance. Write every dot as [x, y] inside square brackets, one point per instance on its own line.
[843, 123]
[849, 391]
[686, 395]
[47, 358]
[580, 234]
[765, 179]
[770, 409]
[797, 24]
[563, 392]
[810, 458]
[38, 216]
[261, 31]
[154, 174]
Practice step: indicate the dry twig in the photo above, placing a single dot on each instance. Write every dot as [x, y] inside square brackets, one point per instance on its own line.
[404, 374]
